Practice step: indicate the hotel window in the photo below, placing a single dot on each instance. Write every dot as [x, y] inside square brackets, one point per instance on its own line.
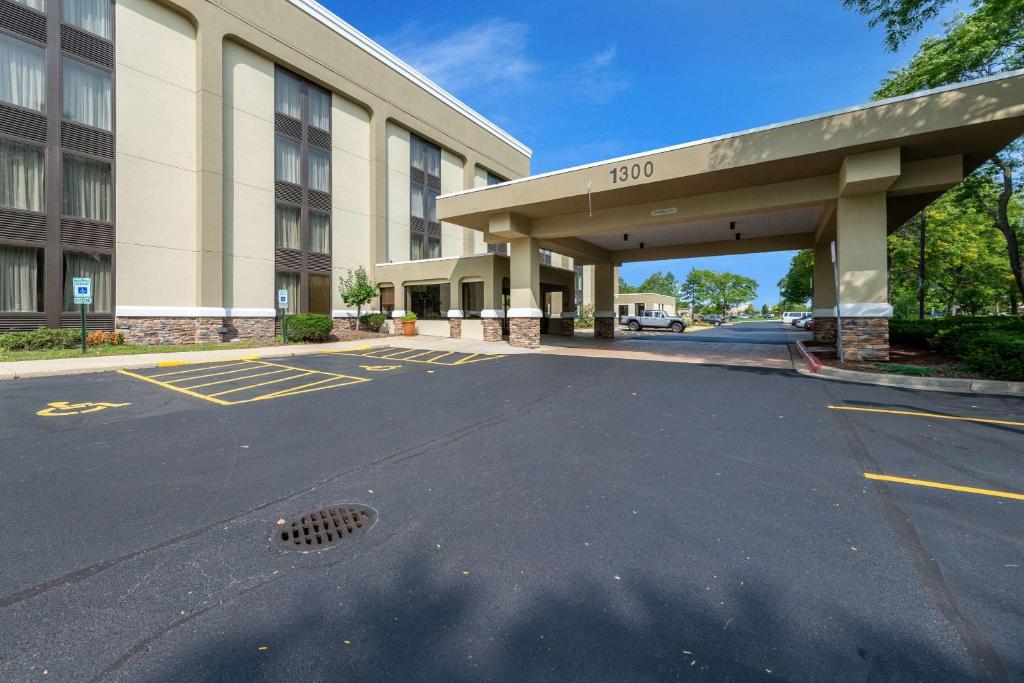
[87, 189]
[290, 283]
[22, 169]
[302, 169]
[578, 272]
[86, 94]
[93, 16]
[503, 247]
[287, 160]
[472, 299]
[21, 279]
[287, 227]
[545, 257]
[93, 266]
[39, 5]
[428, 302]
[425, 186]
[23, 76]
[387, 300]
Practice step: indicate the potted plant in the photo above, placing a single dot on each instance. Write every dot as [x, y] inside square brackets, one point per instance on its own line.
[409, 324]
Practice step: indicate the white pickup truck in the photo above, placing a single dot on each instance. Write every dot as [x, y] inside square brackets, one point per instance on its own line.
[653, 319]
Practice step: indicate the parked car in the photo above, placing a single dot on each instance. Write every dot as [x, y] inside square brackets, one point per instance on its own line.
[802, 322]
[790, 317]
[809, 325]
[712, 319]
[653, 319]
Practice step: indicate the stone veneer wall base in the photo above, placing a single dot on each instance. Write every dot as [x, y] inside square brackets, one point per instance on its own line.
[567, 327]
[866, 339]
[524, 332]
[455, 328]
[160, 330]
[604, 328]
[824, 330]
[492, 329]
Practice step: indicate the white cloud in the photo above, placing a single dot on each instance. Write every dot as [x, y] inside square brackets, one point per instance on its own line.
[484, 57]
[597, 79]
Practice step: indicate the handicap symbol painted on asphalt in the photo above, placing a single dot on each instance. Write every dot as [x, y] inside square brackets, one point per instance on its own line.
[61, 408]
[380, 368]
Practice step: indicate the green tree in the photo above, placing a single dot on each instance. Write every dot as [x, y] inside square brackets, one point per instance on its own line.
[357, 289]
[983, 42]
[728, 290]
[696, 288]
[796, 286]
[625, 287]
[662, 283]
[764, 309]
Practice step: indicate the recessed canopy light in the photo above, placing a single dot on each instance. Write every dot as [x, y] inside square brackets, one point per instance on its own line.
[738, 235]
[641, 245]
[732, 225]
[625, 237]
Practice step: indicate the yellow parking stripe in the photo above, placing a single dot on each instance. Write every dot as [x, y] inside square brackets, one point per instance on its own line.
[165, 385]
[263, 384]
[949, 487]
[229, 364]
[306, 388]
[245, 368]
[235, 379]
[982, 420]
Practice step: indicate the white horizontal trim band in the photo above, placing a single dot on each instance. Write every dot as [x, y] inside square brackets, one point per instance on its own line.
[761, 129]
[866, 310]
[360, 40]
[605, 314]
[525, 313]
[456, 313]
[397, 314]
[824, 312]
[492, 313]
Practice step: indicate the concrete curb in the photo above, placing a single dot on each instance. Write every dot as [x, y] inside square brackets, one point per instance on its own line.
[79, 366]
[803, 365]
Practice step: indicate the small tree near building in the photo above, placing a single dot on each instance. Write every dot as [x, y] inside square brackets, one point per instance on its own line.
[357, 289]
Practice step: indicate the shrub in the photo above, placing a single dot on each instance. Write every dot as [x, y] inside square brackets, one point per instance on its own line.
[40, 340]
[309, 327]
[104, 338]
[995, 353]
[373, 321]
[584, 317]
[409, 317]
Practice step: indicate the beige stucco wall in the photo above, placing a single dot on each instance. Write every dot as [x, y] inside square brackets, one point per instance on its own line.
[452, 236]
[156, 156]
[473, 242]
[650, 301]
[248, 179]
[861, 247]
[399, 149]
[351, 224]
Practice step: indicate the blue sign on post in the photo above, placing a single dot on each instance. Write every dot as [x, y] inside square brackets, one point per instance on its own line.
[83, 289]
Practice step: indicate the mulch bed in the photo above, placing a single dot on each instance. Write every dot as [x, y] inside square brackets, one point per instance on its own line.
[355, 335]
[942, 366]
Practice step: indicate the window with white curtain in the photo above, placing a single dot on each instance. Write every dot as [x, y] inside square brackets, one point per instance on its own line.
[93, 16]
[287, 94]
[87, 189]
[21, 279]
[290, 283]
[287, 160]
[426, 157]
[319, 108]
[22, 73]
[93, 266]
[21, 176]
[287, 222]
[319, 170]
[319, 233]
[34, 4]
[87, 94]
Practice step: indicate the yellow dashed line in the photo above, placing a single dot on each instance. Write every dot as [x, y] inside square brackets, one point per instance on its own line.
[949, 487]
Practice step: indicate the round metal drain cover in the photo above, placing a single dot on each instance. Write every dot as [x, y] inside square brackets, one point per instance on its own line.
[323, 528]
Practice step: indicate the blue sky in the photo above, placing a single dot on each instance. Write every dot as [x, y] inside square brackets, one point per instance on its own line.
[584, 81]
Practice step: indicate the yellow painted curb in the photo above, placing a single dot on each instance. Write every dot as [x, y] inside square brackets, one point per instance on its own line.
[171, 363]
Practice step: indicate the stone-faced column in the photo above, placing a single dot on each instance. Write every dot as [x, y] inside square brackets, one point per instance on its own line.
[524, 279]
[567, 324]
[455, 317]
[604, 301]
[863, 273]
[396, 323]
[824, 289]
[491, 322]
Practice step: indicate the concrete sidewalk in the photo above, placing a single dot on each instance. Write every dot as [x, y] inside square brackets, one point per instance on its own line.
[75, 366]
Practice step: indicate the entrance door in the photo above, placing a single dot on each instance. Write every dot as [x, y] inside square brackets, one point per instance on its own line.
[640, 308]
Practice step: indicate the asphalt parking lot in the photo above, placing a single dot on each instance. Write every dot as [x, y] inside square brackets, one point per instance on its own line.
[536, 517]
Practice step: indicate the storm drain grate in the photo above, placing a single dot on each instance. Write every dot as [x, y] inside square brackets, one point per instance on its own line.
[323, 528]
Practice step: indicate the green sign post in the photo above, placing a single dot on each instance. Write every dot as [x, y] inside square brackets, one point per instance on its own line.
[83, 297]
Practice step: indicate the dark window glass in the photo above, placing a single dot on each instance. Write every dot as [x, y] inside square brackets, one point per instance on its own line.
[93, 266]
[428, 302]
[21, 279]
[320, 294]
[472, 299]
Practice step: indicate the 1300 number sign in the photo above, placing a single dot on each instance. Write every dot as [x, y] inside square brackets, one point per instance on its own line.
[626, 173]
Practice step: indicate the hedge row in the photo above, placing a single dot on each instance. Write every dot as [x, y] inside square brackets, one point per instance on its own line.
[46, 338]
[309, 327]
[992, 346]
